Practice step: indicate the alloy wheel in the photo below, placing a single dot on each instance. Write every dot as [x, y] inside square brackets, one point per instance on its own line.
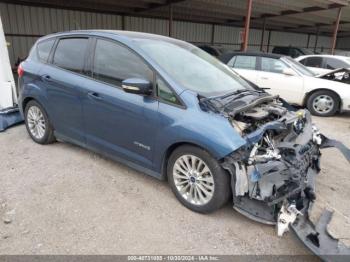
[193, 179]
[36, 122]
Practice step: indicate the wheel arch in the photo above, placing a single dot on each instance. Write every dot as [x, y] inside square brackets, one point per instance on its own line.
[26, 101]
[308, 94]
[171, 149]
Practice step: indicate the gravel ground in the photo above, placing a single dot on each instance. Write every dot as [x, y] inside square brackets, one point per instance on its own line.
[62, 199]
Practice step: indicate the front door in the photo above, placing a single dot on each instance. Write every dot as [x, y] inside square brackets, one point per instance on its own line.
[272, 78]
[116, 122]
[245, 66]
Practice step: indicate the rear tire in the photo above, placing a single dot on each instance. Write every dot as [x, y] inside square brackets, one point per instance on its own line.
[38, 124]
[208, 185]
[323, 103]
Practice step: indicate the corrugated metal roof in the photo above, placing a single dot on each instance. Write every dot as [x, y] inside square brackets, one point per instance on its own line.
[297, 16]
[194, 20]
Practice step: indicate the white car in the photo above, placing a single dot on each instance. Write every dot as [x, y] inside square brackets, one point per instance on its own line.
[321, 64]
[292, 81]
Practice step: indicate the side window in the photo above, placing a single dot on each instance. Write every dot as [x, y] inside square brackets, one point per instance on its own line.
[272, 65]
[43, 49]
[165, 93]
[332, 63]
[232, 61]
[70, 54]
[303, 61]
[314, 61]
[114, 63]
[245, 62]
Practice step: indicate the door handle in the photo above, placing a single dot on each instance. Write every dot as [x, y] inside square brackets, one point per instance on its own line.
[264, 77]
[46, 78]
[94, 95]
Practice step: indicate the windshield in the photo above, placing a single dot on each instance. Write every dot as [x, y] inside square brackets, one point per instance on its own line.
[193, 68]
[299, 67]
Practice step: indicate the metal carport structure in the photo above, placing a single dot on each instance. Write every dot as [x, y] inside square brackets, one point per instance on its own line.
[314, 24]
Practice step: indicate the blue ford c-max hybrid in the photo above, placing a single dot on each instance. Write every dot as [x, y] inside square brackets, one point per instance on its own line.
[169, 109]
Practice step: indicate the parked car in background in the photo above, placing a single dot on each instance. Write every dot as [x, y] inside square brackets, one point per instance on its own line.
[295, 83]
[321, 64]
[215, 51]
[291, 51]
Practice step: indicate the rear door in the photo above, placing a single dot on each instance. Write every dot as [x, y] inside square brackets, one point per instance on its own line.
[116, 122]
[64, 78]
[271, 77]
[246, 66]
[316, 64]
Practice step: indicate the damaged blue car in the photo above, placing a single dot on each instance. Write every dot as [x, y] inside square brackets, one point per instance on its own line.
[170, 110]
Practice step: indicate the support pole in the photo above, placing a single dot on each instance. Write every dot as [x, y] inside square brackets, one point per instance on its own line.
[316, 37]
[268, 41]
[335, 32]
[247, 25]
[262, 35]
[123, 22]
[308, 41]
[212, 34]
[170, 19]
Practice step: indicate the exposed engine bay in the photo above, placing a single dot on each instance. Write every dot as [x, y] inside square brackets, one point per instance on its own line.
[340, 75]
[278, 164]
[273, 174]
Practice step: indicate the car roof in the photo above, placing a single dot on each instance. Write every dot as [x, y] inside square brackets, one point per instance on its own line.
[129, 34]
[124, 36]
[320, 55]
[227, 56]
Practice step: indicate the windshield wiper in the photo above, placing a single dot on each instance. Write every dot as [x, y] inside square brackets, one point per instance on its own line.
[234, 93]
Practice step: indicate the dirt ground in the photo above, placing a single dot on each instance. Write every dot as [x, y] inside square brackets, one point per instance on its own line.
[61, 199]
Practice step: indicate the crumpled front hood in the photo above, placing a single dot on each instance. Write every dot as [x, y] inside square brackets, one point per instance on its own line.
[233, 104]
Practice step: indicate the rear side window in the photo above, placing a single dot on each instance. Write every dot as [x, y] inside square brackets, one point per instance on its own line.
[114, 63]
[313, 61]
[70, 54]
[44, 49]
[243, 62]
[272, 65]
[332, 63]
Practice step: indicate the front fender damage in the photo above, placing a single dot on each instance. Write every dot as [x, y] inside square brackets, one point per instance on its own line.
[273, 180]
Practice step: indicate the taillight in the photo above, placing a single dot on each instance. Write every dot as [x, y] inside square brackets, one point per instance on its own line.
[20, 70]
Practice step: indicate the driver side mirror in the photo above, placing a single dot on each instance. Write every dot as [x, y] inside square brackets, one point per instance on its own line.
[137, 86]
[288, 72]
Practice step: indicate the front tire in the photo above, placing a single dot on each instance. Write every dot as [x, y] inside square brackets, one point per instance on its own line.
[197, 179]
[323, 103]
[38, 124]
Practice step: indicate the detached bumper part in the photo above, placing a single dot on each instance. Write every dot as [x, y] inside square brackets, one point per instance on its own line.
[318, 240]
[326, 143]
